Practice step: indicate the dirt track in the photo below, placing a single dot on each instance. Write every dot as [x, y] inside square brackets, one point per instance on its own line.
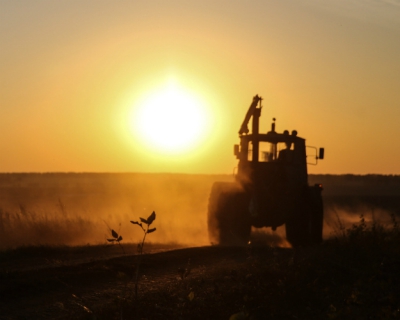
[335, 280]
[78, 289]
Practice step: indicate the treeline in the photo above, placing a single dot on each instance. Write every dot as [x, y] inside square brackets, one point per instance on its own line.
[350, 184]
[346, 184]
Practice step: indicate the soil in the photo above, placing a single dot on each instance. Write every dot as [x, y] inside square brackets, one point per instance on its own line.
[339, 279]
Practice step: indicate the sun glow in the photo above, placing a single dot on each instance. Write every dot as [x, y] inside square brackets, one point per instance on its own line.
[170, 120]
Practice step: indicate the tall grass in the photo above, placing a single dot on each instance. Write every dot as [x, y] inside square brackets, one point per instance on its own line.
[32, 228]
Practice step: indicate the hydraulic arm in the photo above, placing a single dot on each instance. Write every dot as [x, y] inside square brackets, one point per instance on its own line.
[253, 111]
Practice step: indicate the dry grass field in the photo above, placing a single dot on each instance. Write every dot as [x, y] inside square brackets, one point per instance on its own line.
[76, 209]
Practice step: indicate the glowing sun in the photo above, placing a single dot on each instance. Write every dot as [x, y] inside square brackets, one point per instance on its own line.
[170, 120]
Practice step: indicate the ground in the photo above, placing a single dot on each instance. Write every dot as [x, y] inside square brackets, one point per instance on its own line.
[352, 277]
[354, 274]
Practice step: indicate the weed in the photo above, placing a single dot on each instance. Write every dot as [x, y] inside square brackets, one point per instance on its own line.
[358, 230]
[365, 232]
[339, 227]
[116, 238]
[146, 230]
[144, 224]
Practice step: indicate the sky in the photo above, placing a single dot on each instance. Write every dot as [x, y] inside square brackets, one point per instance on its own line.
[76, 79]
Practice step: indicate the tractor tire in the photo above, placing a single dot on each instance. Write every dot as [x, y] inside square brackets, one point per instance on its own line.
[316, 215]
[297, 225]
[228, 216]
[304, 224]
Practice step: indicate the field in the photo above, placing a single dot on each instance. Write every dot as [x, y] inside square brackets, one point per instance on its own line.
[56, 261]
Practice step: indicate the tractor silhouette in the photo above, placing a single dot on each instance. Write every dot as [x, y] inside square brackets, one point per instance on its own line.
[270, 188]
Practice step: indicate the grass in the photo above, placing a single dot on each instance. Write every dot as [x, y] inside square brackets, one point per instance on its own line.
[29, 228]
[53, 225]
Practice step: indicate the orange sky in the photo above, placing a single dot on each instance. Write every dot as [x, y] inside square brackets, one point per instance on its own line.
[72, 73]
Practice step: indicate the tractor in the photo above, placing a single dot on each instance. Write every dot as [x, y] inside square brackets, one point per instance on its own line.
[270, 188]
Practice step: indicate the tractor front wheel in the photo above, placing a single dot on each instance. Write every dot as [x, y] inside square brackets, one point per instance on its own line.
[228, 216]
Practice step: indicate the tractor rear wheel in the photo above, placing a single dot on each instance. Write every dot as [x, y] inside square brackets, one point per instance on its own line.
[316, 215]
[297, 226]
[228, 216]
[305, 222]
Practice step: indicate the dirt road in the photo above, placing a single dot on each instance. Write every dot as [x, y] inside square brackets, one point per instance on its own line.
[69, 286]
[335, 280]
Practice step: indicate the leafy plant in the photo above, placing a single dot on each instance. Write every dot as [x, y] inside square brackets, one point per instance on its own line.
[146, 230]
[116, 238]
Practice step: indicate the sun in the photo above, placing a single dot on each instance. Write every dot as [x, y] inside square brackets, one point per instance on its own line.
[170, 120]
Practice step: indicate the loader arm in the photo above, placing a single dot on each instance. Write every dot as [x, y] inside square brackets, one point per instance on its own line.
[251, 112]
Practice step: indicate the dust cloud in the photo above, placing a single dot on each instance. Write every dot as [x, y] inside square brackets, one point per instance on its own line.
[338, 219]
[81, 208]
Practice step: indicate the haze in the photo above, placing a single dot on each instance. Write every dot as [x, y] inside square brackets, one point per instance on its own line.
[71, 72]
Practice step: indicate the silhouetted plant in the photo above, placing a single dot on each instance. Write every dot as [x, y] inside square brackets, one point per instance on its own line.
[116, 238]
[146, 230]
[358, 229]
[340, 228]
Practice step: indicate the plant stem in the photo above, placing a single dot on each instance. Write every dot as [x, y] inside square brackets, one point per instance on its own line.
[121, 247]
[139, 262]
